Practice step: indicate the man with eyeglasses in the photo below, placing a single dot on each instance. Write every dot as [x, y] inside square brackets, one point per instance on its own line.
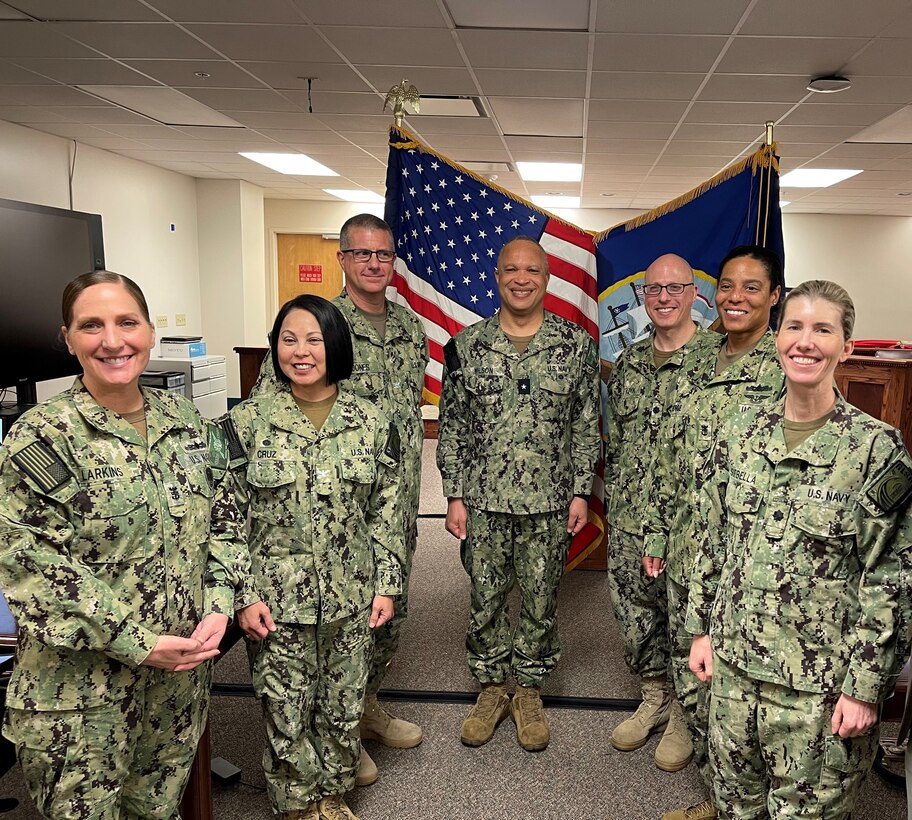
[391, 354]
[644, 384]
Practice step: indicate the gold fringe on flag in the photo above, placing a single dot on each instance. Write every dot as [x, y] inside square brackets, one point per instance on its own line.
[763, 158]
[412, 142]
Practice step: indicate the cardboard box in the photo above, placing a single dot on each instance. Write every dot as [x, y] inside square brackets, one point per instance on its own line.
[181, 350]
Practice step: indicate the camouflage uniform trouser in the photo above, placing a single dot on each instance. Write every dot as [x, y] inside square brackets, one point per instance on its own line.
[691, 692]
[774, 754]
[120, 761]
[501, 550]
[639, 605]
[310, 681]
[386, 637]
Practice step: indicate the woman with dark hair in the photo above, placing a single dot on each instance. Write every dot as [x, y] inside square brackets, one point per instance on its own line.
[798, 602]
[317, 467]
[119, 551]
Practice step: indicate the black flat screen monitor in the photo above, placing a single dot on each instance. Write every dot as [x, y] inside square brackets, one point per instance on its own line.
[41, 249]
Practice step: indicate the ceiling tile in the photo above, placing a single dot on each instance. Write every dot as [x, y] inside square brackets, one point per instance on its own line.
[99, 71]
[806, 56]
[640, 85]
[293, 75]
[265, 42]
[692, 17]
[649, 52]
[758, 88]
[487, 48]
[827, 113]
[428, 46]
[428, 81]
[43, 95]
[86, 10]
[532, 83]
[553, 117]
[13, 75]
[883, 57]
[636, 110]
[182, 73]
[135, 40]
[736, 112]
[816, 18]
[733, 133]
[30, 39]
[629, 130]
[244, 100]
[228, 11]
[402, 13]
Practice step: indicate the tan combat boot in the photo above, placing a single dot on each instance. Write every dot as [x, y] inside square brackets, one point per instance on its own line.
[702, 811]
[335, 808]
[367, 770]
[651, 715]
[312, 812]
[675, 750]
[489, 710]
[378, 724]
[528, 714]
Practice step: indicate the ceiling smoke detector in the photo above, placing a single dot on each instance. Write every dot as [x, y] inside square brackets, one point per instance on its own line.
[829, 85]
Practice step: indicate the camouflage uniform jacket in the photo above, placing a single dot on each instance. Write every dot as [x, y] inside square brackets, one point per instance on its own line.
[637, 406]
[390, 373]
[326, 533]
[519, 432]
[800, 578]
[713, 406]
[107, 542]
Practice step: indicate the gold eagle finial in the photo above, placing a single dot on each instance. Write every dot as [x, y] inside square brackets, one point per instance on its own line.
[396, 98]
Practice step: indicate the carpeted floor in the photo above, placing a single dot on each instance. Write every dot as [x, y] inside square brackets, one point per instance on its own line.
[580, 775]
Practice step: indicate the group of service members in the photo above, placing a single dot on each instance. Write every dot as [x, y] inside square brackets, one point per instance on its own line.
[760, 543]
[759, 537]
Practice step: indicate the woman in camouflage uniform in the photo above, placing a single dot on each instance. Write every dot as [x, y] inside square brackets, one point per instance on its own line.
[800, 583]
[118, 534]
[318, 469]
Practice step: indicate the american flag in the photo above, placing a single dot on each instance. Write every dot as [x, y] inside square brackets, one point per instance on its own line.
[449, 225]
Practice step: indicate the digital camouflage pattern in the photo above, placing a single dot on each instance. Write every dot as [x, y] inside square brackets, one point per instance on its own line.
[800, 769]
[697, 416]
[638, 402]
[326, 537]
[518, 439]
[519, 432]
[799, 578]
[326, 527]
[390, 373]
[105, 544]
[132, 758]
[502, 549]
[310, 680]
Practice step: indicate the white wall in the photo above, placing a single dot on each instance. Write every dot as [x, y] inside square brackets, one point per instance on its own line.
[868, 255]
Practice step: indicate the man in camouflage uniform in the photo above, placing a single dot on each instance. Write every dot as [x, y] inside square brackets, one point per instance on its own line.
[111, 542]
[799, 581]
[647, 380]
[518, 445]
[326, 538]
[391, 355]
[725, 389]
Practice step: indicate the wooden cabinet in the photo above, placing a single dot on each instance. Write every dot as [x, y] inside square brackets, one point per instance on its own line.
[880, 387]
[249, 361]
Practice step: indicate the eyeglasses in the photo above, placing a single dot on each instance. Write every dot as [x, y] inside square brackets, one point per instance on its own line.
[364, 255]
[674, 289]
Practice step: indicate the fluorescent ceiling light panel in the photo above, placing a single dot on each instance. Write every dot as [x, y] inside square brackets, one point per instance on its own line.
[567, 15]
[165, 105]
[784, 202]
[555, 201]
[355, 195]
[450, 107]
[299, 165]
[897, 128]
[815, 177]
[550, 171]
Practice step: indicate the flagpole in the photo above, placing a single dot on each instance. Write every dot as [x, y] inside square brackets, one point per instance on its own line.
[763, 205]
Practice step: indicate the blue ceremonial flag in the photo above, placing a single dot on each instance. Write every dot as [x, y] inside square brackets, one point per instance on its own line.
[739, 206]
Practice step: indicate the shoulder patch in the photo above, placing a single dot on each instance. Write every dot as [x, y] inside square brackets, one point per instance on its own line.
[218, 447]
[233, 440]
[394, 444]
[41, 464]
[893, 487]
[451, 357]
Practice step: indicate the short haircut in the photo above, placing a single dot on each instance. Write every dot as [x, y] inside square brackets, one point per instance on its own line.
[367, 221]
[336, 336]
[524, 238]
[84, 281]
[830, 292]
[772, 265]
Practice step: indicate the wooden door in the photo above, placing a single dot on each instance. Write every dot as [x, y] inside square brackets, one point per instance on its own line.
[307, 263]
